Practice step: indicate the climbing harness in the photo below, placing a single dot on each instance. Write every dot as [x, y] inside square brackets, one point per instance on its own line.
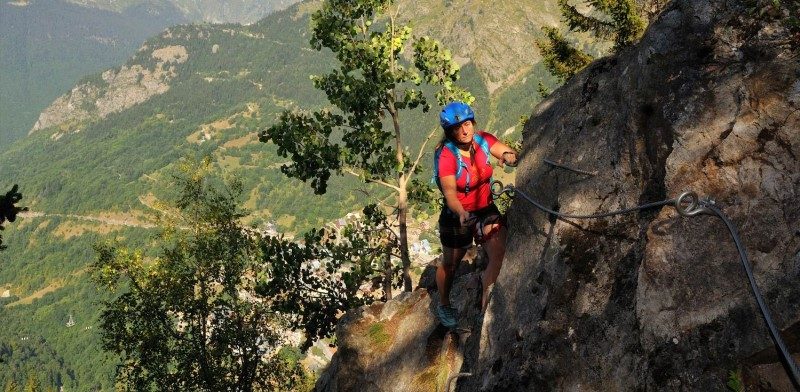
[480, 235]
[688, 205]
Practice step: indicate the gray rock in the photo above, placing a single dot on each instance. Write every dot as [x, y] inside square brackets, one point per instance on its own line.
[120, 89]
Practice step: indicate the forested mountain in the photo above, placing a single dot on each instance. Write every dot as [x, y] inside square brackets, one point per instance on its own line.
[48, 45]
[105, 150]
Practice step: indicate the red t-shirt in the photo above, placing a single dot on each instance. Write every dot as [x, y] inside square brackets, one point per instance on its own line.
[480, 194]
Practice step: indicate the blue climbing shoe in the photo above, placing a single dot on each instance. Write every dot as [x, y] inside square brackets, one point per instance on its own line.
[447, 316]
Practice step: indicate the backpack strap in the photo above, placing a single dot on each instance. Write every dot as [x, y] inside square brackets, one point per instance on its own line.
[460, 165]
[483, 144]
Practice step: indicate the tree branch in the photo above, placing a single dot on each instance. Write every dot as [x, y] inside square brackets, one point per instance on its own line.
[386, 184]
[420, 154]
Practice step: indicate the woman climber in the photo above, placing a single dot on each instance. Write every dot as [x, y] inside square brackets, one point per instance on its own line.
[463, 172]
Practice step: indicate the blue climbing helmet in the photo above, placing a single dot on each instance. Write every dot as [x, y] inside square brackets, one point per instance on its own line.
[452, 114]
[455, 113]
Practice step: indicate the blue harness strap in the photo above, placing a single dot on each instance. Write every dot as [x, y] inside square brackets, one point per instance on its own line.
[460, 164]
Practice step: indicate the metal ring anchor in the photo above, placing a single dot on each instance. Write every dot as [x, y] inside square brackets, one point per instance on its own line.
[497, 188]
[693, 208]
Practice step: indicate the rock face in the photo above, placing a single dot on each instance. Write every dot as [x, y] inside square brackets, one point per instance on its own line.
[117, 90]
[708, 101]
[399, 346]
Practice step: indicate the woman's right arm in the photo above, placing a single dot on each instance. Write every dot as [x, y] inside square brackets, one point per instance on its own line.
[450, 193]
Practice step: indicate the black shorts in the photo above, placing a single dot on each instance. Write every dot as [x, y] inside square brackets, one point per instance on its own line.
[453, 235]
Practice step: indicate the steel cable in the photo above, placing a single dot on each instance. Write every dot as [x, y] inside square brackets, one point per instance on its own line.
[776, 337]
[511, 191]
[695, 207]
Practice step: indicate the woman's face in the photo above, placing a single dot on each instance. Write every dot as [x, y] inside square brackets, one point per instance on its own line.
[464, 132]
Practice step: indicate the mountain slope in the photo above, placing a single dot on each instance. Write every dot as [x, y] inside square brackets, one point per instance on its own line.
[48, 45]
[497, 37]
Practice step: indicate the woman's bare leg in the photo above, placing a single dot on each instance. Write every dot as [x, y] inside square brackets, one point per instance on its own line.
[446, 272]
[496, 250]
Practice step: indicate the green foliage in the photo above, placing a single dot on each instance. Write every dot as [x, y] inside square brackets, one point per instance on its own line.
[189, 319]
[437, 66]
[34, 337]
[305, 138]
[423, 195]
[11, 386]
[314, 282]
[621, 23]
[8, 209]
[560, 57]
[32, 384]
[95, 80]
[372, 83]
[544, 92]
[735, 382]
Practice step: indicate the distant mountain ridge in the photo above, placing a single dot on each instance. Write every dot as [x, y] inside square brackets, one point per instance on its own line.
[497, 36]
[211, 11]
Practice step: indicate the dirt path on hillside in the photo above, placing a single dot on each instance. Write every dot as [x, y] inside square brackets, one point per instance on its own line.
[131, 222]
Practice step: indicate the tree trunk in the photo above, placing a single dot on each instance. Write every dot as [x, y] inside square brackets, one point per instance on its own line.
[402, 213]
[402, 196]
[387, 274]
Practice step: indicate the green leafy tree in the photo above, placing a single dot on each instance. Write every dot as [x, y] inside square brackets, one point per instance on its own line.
[188, 317]
[619, 21]
[9, 209]
[314, 282]
[370, 89]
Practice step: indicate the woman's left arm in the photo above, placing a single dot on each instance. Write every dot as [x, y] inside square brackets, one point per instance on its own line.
[505, 154]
